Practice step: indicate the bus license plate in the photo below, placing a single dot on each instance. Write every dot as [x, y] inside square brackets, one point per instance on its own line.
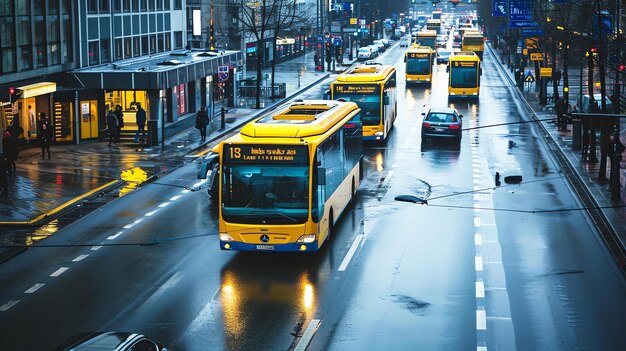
[438, 129]
[265, 247]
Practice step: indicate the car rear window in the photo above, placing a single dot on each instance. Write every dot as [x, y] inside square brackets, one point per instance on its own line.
[441, 117]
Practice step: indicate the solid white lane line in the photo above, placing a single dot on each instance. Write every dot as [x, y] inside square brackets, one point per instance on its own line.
[151, 213]
[346, 260]
[481, 320]
[308, 335]
[114, 236]
[198, 184]
[34, 288]
[95, 248]
[164, 204]
[128, 226]
[481, 348]
[8, 305]
[174, 198]
[80, 258]
[185, 191]
[480, 290]
[478, 263]
[59, 271]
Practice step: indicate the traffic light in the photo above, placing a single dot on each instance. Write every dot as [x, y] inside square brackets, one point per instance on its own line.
[621, 67]
[329, 53]
[12, 91]
[593, 50]
[211, 37]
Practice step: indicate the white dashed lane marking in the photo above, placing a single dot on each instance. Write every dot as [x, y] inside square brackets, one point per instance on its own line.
[59, 271]
[34, 288]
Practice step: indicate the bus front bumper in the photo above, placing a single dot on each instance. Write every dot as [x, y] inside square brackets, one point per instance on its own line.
[292, 247]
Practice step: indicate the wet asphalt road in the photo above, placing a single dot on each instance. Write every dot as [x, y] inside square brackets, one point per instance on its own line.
[509, 267]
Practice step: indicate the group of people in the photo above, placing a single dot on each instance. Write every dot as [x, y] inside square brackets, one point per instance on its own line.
[115, 123]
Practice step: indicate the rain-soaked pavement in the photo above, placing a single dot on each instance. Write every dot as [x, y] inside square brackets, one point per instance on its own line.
[479, 267]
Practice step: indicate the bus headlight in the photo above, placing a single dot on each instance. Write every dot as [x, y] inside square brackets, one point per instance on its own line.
[307, 238]
[408, 79]
[427, 79]
[378, 134]
[226, 237]
[474, 93]
[452, 93]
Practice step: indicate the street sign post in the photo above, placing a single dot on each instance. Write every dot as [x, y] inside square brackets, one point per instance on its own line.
[222, 73]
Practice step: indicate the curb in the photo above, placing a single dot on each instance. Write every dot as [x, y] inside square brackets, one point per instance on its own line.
[607, 231]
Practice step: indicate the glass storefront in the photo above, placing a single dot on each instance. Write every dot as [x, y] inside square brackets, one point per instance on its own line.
[128, 99]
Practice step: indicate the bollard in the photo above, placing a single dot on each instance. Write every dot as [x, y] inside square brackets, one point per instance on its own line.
[223, 119]
[576, 134]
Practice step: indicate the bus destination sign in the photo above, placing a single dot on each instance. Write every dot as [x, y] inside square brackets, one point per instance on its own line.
[266, 154]
[357, 89]
[415, 55]
[468, 64]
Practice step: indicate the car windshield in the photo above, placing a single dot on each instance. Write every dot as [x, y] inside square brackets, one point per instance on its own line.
[364, 51]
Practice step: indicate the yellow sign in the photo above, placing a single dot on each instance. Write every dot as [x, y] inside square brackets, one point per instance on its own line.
[253, 153]
[352, 20]
[536, 56]
[525, 52]
[37, 89]
[285, 41]
[545, 72]
[531, 43]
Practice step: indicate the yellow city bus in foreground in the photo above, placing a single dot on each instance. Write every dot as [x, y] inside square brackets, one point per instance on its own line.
[373, 87]
[419, 64]
[464, 75]
[286, 178]
[426, 38]
[473, 41]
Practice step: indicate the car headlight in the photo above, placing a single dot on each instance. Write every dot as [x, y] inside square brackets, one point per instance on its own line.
[226, 237]
[306, 238]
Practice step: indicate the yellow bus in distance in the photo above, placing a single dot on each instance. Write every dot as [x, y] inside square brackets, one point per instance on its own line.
[473, 41]
[419, 64]
[286, 178]
[373, 87]
[426, 38]
[464, 75]
[434, 24]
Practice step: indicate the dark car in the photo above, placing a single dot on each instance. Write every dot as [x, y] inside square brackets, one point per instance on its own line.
[117, 341]
[442, 123]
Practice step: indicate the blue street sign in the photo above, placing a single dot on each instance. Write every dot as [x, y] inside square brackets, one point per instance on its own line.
[337, 41]
[520, 10]
[523, 24]
[533, 33]
[498, 8]
[320, 38]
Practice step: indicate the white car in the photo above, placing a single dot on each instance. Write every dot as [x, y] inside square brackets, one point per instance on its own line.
[364, 53]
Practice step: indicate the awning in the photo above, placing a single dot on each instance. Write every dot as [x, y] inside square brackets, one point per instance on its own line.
[37, 89]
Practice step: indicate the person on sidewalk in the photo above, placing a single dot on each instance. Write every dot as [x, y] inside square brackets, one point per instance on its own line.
[140, 118]
[560, 107]
[4, 178]
[9, 147]
[120, 122]
[202, 120]
[46, 135]
[112, 126]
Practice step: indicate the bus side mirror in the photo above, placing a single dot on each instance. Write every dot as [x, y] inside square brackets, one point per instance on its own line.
[321, 176]
[204, 168]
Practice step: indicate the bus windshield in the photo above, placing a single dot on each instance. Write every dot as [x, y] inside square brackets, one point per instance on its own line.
[265, 194]
[369, 105]
[427, 41]
[463, 77]
[418, 65]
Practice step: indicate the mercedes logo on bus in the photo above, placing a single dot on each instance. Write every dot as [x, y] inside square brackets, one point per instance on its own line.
[265, 238]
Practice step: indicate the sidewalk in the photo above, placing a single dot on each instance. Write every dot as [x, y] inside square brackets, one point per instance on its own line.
[609, 215]
[42, 188]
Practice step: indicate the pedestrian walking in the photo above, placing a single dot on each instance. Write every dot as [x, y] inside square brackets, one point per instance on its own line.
[140, 118]
[202, 120]
[9, 149]
[4, 176]
[45, 135]
[112, 126]
[120, 122]
[560, 107]
[15, 129]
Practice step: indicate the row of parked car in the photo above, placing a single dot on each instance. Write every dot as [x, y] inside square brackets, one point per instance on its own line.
[372, 51]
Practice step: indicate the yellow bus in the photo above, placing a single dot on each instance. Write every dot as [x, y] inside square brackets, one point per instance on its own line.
[426, 38]
[434, 24]
[464, 75]
[419, 64]
[373, 87]
[473, 41]
[286, 178]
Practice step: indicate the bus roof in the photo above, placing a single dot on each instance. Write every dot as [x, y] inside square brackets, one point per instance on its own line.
[474, 33]
[300, 119]
[433, 21]
[465, 56]
[416, 48]
[368, 72]
[427, 33]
